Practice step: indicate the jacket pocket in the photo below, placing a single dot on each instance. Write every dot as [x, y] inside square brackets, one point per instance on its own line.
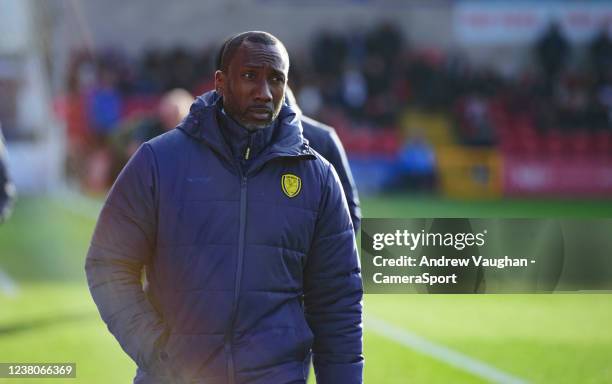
[160, 367]
[303, 331]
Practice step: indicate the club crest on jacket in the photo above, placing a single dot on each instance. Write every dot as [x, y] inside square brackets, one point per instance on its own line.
[291, 184]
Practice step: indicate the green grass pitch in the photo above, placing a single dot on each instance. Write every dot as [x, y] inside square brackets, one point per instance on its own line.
[563, 338]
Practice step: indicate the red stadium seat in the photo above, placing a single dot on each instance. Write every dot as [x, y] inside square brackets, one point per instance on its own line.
[386, 143]
[578, 143]
[603, 143]
[554, 144]
[509, 143]
[359, 142]
[530, 144]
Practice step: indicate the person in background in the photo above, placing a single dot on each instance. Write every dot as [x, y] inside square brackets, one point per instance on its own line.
[416, 165]
[324, 140]
[552, 53]
[171, 109]
[7, 189]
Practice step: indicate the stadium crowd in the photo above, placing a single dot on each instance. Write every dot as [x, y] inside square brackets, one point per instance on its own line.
[360, 82]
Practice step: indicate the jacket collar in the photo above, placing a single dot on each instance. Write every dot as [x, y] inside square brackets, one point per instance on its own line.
[244, 144]
[286, 140]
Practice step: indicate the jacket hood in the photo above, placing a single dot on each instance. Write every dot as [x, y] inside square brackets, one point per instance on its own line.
[201, 124]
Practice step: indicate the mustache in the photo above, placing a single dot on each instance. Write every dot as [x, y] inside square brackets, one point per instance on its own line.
[261, 107]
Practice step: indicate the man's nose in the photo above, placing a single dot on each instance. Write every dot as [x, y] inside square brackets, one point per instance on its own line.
[263, 92]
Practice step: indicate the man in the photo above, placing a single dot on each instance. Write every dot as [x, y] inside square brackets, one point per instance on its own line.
[236, 220]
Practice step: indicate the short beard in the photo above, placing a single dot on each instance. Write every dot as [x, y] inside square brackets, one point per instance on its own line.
[255, 126]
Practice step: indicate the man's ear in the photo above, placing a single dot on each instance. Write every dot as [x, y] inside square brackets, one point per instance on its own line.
[219, 82]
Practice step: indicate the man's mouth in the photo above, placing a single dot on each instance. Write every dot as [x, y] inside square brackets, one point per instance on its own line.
[260, 113]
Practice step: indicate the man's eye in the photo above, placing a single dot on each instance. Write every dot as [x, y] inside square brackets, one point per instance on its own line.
[278, 79]
[248, 75]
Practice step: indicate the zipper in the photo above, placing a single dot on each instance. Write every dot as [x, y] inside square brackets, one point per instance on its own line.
[229, 336]
[247, 152]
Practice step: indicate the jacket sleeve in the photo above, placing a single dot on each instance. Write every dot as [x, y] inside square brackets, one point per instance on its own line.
[337, 156]
[333, 291]
[122, 244]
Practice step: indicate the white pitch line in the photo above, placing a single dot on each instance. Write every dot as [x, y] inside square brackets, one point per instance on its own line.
[7, 285]
[439, 352]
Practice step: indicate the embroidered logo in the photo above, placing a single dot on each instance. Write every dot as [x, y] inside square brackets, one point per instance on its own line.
[291, 184]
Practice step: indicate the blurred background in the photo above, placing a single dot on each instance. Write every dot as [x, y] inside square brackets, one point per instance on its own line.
[445, 108]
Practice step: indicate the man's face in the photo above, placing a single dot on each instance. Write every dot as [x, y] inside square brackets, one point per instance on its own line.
[253, 87]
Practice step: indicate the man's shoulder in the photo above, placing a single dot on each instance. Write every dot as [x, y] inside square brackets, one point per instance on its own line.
[316, 130]
[324, 139]
[320, 136]
[317, 163]
[170, 140]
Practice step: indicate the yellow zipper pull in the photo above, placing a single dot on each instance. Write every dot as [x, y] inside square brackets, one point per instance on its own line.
[247, 153]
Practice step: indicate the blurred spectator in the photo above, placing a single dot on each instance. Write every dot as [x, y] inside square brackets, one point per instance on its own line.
[600, 52]
[361, 81]
[552, 50]
[150, 75]
[475, 122]
[604, 107]
[573, 101]
[325, 141]
[428, 81]
[416, 165]
[354, 92]
[329, 53]
[171, 109]
[7, 190]
[180, 70]
[104, 103]
[81, 76]
[385, 41]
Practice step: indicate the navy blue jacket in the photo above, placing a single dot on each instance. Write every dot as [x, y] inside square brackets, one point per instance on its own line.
[243, 280]
[324, 140]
